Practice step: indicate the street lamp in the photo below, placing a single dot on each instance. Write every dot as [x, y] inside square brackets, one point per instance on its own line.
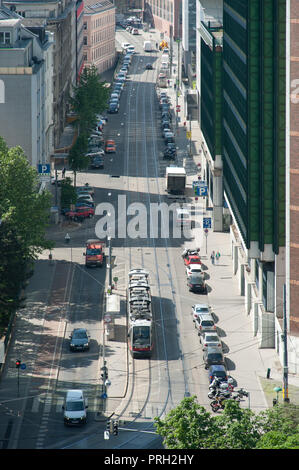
[67, 240]
[277, 390]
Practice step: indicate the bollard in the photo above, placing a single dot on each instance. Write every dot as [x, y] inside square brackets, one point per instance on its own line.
[268, 373]
[274, 401]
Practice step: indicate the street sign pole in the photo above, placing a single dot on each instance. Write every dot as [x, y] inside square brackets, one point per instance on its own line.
[206, 232]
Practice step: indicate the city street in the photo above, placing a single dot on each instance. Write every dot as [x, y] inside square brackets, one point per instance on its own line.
[63, 295]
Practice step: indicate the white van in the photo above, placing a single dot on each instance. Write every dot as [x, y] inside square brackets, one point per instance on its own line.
[183, 218]
[74, 408]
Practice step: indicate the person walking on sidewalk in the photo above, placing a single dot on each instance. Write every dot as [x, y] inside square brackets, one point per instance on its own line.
[213, 257]
[217, 256]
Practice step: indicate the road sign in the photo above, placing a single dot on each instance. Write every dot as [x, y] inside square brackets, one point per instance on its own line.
[106, 435]
[188, 134]
[44, 168]
[206, 232]
[23, 366]
[201, 191]
[207, 222]
[178, 108]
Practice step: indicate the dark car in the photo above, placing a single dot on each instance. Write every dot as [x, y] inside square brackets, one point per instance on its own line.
[165, 123]
[218, 371]
[169, 154]
[149, 67]
[97, 162]
[213, 356]
[171, 146]
[79, 340]
[196, 283]
[113, 108]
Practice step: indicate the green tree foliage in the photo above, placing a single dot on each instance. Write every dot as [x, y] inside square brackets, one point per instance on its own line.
[77, 159]
[21, 205]
[89, 98]
[24, 214]
[190, 426]
[68, 193]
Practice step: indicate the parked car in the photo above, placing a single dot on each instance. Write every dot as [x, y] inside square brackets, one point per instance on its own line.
[110, 146]
[149, 67]
[213, 356]
[196, 283]
[210, 339]
[85, 197]
[97, 162]
[87, 189]
[218, 371]
[204, 322]
[80, 213]
[135, 31]
[199, 308]
[193, 269]
[79, 340]
[191, 259]
[113, 108]
[169, 137]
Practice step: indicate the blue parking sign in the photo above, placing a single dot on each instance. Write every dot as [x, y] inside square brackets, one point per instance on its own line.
[44, 168]
[207, 222]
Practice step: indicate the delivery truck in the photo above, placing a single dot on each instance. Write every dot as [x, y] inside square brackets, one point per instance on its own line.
[175, 180]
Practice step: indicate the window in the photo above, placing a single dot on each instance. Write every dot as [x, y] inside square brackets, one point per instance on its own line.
[4, 37]
[85, 40]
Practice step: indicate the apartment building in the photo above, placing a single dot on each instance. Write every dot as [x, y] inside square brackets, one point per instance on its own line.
[165, 16]
[26, 98]
[59, 17]
[99, 34]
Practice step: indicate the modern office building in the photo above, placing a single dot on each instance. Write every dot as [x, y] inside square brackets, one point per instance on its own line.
[26, 96]
[292, 185]
[243, 60]
[99, 34]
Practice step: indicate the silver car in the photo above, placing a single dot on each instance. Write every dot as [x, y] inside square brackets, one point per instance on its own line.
[205, 322]
[210, 339]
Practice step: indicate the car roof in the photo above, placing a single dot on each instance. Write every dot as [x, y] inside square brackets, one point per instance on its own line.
[218, 368]
[110, 142]
[205, 316]
[200, 305]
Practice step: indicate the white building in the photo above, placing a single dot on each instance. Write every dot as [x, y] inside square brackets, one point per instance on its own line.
[26, 83]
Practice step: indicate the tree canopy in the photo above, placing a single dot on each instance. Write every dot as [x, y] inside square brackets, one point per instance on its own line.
[190, 426]
[24, 215]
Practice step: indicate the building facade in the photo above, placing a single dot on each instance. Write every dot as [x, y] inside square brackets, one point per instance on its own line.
[59, 16]
[99, 34]
[292, 185]
[165, 16]
[26, 77]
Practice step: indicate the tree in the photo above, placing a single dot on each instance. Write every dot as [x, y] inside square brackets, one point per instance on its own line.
[77, 159]
[22, 206]
[278, 440]
[186, 426]
[190, 426]
[88, 98]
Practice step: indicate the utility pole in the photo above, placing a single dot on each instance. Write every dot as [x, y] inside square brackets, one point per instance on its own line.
[285, 354]
[110, 265]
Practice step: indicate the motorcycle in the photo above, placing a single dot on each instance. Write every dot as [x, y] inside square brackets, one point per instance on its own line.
[187, 252]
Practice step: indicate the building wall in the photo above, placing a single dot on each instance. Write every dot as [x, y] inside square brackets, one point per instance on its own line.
[99, 43]
[164, 14]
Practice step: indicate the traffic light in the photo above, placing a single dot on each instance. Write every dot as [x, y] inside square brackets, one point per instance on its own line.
[18, 363]
[115, 428]
[104, 375]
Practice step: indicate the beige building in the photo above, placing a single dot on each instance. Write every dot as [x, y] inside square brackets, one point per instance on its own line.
[99, 34]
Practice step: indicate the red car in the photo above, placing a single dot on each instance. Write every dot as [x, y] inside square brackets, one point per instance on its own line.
[80, 213]
[192, 259]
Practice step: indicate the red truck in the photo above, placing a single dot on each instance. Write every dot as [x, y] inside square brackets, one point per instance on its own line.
[95, 254]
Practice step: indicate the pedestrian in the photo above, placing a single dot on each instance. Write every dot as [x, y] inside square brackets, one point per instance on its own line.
[213, 257]
[217, 256]
[63, 172]
[174, 86]
[156, 45]
[168, 82]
